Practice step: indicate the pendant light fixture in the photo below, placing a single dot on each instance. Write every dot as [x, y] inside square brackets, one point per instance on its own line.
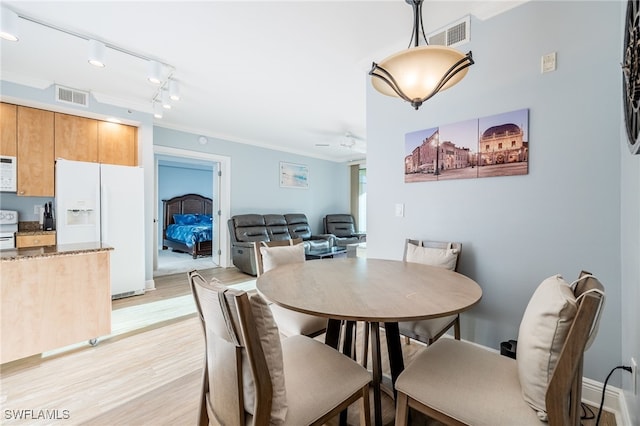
[419, 72]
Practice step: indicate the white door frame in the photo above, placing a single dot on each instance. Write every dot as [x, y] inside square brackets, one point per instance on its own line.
[224, 198]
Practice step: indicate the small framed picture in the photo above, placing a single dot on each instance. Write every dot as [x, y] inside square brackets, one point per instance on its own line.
[294, 175]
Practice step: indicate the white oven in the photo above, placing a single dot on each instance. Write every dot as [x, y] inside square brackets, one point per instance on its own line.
[8, 229]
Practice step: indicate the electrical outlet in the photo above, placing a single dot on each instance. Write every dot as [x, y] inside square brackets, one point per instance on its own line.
[634, 376]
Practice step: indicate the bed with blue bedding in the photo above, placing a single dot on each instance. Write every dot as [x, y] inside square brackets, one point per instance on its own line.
[188, 224]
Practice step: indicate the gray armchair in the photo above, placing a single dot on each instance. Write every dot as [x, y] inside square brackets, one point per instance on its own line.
[343, 227]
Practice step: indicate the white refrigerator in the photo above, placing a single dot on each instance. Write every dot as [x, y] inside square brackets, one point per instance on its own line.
[105, 203]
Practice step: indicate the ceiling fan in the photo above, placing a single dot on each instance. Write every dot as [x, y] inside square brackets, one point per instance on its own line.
[348, 141]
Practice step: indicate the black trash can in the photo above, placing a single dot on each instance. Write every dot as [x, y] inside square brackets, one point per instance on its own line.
[509, 348]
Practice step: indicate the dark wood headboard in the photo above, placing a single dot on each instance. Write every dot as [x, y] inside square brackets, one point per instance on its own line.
[185, 204]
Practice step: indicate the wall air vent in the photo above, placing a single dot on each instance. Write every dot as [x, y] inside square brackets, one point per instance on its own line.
[72, 96]
[452, 35]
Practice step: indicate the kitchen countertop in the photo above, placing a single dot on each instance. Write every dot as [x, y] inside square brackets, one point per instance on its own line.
[50, 251]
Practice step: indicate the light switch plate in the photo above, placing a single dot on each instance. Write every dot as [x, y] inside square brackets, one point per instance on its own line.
[549, 62]
[399, 210]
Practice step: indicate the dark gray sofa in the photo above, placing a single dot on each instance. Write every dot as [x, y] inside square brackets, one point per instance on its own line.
[245, 229]
[343, 227]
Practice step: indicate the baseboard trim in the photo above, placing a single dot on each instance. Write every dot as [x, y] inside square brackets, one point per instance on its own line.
[149, 285]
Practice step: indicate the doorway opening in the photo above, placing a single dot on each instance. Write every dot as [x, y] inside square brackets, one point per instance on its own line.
[179, 172]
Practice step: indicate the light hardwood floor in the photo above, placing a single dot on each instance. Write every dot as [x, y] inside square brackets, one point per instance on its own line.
[147, 377]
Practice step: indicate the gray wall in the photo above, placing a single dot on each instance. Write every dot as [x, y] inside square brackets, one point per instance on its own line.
[255, 187]
[564, 216]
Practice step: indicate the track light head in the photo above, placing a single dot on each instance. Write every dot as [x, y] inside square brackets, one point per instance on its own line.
[97, 53]
[8, 25]
[154, 71]
[174, 90]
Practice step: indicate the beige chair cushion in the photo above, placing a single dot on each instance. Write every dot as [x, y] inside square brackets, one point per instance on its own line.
[273, 257]
[271, 346]
[318, 378]
[484, 391]
[444, 258]
[543, 330]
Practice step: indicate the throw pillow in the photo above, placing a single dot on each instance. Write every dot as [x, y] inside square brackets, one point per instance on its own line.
[273, 257]
[184, 219]
[543, 330]
[270, 342]
[443, 258]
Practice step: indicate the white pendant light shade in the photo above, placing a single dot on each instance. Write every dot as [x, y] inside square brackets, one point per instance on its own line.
[8, 25]
[174, 90]
[420, 72]
[97, 53]
[157, 110]
[153, 72]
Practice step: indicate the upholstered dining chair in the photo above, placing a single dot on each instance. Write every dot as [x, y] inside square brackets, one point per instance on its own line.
[271, 254]
[543, 383]
[251, 377]
[434, 253]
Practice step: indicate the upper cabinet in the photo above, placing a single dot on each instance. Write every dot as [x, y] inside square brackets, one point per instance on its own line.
[117, 144]
[37, 137]
[8, 130]
[35, 152]
[76, 138]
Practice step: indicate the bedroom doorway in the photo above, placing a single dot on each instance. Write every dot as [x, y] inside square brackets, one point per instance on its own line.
[180, 172]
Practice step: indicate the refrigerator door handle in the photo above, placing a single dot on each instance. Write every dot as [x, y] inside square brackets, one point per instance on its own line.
[104, 207]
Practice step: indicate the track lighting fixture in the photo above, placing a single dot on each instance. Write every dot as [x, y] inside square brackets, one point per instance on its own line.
[96, 53]
[158, 73]
[419, 72]
[8, 25]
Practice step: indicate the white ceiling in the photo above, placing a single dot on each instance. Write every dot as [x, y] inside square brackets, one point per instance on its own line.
[287, 75]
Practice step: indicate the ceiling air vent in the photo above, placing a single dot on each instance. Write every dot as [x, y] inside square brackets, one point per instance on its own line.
[452, 35]
[72, 96]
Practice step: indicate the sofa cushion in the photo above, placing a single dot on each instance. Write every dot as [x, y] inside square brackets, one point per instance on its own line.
[298, 225]
[543, 330]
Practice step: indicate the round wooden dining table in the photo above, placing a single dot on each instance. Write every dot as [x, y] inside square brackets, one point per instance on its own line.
[371, 290]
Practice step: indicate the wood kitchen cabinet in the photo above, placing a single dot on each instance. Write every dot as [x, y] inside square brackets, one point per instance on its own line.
[8, 129]
[35, 152]
[117, 144]
[76, 138]
[37, 240]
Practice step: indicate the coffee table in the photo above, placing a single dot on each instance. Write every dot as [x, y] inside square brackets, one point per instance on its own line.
[323, 253]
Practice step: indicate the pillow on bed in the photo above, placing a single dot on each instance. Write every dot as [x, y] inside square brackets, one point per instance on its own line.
[184, 219]
[204, 218]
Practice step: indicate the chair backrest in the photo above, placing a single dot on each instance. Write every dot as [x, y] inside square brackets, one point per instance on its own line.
[447, 254]
[340, 225]
[563, 395]
[285, 257]
[229, 330]
[298, 225]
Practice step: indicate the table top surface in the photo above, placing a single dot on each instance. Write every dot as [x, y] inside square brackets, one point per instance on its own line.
[369, 289]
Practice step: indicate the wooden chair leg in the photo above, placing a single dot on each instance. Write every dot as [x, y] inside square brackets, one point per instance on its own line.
[407, 340]
[365, 408]
[365, 344]
[456, 328]
[402, 409]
